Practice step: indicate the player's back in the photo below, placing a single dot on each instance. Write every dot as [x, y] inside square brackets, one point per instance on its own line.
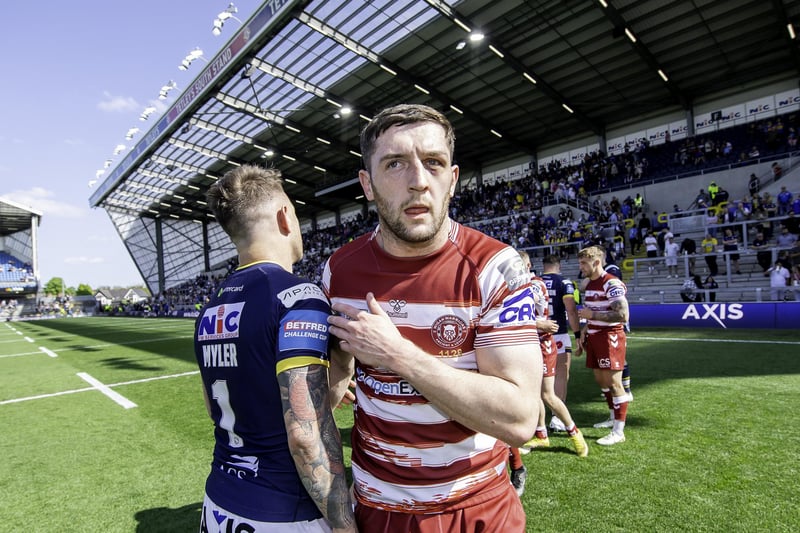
[259, 319]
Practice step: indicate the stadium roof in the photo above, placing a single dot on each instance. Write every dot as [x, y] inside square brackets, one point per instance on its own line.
[545, 71]
[15, 217]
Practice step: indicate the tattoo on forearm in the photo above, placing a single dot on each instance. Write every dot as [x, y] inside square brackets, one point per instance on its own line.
[318, 454]
[617, 313]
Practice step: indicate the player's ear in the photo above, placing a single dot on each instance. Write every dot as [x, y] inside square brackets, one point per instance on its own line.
[282, 218]
[366, 184]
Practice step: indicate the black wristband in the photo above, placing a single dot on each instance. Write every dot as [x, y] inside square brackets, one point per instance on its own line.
[578, 335]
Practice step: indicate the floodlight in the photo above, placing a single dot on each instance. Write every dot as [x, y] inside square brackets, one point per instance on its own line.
[190, 58]
[219, 22]
[166, 89]
[147, 112]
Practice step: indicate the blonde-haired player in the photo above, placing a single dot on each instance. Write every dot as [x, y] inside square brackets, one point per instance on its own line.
[605, 308]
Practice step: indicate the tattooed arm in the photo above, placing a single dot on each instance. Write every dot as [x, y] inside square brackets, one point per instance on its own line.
[340, 375]
[315, 443]
[618, 312]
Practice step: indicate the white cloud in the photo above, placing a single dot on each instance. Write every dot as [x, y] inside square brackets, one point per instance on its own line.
[82, 260]
[43, 200]
[114, 104]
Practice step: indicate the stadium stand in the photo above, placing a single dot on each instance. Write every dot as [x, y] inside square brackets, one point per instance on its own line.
[19, 278]
[545, 157]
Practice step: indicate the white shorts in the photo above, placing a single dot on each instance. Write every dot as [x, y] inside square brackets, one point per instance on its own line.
[563, 342]
[234, 522]
[671, 261]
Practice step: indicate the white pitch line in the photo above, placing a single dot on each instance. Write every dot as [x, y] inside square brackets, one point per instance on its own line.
[155, 378]
[4, 356]
[734, 341]
[51, 353]
[50, 395]
[73, 391]
[117, 397]
[28, 339]
[102, 345]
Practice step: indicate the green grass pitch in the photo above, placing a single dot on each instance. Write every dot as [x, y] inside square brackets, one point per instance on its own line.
[712, 433]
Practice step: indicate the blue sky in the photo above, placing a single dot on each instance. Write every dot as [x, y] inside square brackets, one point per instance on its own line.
[77, 75]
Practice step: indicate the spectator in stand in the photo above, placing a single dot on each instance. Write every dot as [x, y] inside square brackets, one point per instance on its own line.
[779, 278]
[727, 149]
[777, 171]
[633, 239]
[638, 203]
[753, 185]
[785, 239]
[730, 243]
[709, 247]
[710, 283]
[795, 281]
[654, 223]
[711, 221]
[792, 223]
[702, 199]
[661, 238]
[713, 189]
[645, 226]
[754, 152]
[689, 247]
[784, 201]
[763, 253]
[651, 247]
[671, 249]
[690, 287]
[721, 197]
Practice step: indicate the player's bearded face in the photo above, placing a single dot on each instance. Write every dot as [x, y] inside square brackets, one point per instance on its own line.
[420, 230]
[411, 182]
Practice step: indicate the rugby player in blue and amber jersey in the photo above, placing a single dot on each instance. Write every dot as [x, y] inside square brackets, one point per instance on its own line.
[262, 346]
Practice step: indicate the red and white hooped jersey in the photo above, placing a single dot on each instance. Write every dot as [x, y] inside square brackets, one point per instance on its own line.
[474, 292]
[598, 296]
[542, 296]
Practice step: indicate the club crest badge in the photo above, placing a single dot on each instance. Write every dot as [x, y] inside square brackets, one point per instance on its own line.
[449, 331]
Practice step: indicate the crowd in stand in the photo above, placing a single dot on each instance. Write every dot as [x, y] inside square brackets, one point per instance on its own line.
[515, 211]
[13, 270]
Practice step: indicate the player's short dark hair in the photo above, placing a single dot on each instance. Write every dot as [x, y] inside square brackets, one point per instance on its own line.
[397, 116]
[551, 259]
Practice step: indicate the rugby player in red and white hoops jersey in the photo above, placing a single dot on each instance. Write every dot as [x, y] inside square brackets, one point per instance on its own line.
[439, 320]
[605, 308]
[547, 327]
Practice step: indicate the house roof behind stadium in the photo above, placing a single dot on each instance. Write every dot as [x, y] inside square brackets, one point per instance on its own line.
[546, 71]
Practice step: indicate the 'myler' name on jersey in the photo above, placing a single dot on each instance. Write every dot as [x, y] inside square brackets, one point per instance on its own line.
[219, 355]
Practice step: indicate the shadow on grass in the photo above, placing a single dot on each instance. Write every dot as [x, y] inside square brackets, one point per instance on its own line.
[84, 348]
[166, 520]
[107, 330]
[127, 363]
